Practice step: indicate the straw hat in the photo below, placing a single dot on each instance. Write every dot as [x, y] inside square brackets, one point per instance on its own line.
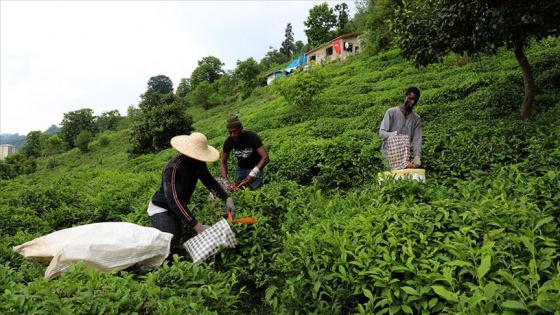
[195, 146]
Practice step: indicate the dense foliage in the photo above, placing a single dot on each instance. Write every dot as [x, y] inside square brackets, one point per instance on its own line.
[429, 30]
[480, 236]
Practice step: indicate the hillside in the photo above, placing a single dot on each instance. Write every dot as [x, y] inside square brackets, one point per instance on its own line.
[481, 236]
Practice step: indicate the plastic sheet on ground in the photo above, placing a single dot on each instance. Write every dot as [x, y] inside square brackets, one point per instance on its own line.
[107, 247]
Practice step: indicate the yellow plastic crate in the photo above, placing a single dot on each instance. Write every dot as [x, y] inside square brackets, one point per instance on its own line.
[418, 174]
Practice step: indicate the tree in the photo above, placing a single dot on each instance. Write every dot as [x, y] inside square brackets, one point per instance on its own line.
[75, 122]
[377, 16]
[33, 145]
[226, 89]
[201, 95]
[302, 90]
[432, 29]
[272, 59]
[184, 88]
[247, 74]
[53, 145]
[288, 47]
[183, 91]
[160, 84]
[300, 47]
[17, 164]
[361, 15]
[343, 25]
[320, 24]
[133, 113]
[83, 140]
[209, 70]
[7, 170]
[161, 118]
[108, 120]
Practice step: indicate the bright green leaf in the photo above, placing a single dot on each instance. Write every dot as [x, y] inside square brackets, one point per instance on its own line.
[444, 293]
[407, 309]
[542, 222]
[514, 304]
[410, 290]
[485, 265]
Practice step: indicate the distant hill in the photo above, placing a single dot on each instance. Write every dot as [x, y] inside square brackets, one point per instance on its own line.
[19, 140]
[52, 129]
[15, 139]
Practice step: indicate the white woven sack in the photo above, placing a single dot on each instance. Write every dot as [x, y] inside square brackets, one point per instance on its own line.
[207, 243]
[398, 151]
[107, 246]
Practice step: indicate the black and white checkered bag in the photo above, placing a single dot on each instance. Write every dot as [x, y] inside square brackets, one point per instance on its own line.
[207, 243]
[398, 151]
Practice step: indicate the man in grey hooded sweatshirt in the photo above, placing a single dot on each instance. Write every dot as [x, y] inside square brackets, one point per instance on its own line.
[402, 120]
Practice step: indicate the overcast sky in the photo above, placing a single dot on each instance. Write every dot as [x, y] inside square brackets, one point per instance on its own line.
[61, 56]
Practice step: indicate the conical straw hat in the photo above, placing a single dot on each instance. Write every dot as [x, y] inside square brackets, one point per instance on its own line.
[195, 146]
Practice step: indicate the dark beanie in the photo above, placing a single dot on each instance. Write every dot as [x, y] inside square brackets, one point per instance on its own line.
[233, 121]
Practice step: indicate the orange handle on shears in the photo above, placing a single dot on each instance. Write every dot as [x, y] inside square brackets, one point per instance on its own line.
[247, 220]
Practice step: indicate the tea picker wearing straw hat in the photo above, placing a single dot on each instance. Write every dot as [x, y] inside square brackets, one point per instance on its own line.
[168, 208]
[250, 152]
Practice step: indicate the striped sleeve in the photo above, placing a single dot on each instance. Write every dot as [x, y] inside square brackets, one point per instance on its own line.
[176, 197]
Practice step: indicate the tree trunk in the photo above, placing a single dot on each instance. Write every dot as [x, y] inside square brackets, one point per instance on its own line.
[528, 80]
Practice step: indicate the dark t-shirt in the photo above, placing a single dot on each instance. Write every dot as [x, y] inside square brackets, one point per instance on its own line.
[245, 149]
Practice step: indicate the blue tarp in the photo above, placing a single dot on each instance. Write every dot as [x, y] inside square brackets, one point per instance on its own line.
[300, 61]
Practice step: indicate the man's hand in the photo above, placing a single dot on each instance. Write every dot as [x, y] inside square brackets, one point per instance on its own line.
[199, 227]
[416, 161]
[230, 206]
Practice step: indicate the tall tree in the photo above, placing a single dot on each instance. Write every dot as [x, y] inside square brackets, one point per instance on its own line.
[161, 84]
[209, 70]
[300, 47]
[161, 118]
[272, 59]
[53, 145]
[288, 47]
[183, 91]
[343, 19]
[361, 15]
[184, 88]
[201, 96]
[377, 17]
[431, 29]
[247, 74]
[83, 140]
[225, 87]
[108, 120]
[33, 145]
[320, 24]
[75, 122]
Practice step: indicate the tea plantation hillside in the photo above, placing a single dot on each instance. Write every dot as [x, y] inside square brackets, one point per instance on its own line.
[480, 236]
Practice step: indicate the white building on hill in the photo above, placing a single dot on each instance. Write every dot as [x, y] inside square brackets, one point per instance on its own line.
[7, 149]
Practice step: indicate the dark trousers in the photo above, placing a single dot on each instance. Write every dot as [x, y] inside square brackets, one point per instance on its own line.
[170, 223]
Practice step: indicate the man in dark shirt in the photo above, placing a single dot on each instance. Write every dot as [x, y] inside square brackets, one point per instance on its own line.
[168, 207]
[250, 152]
